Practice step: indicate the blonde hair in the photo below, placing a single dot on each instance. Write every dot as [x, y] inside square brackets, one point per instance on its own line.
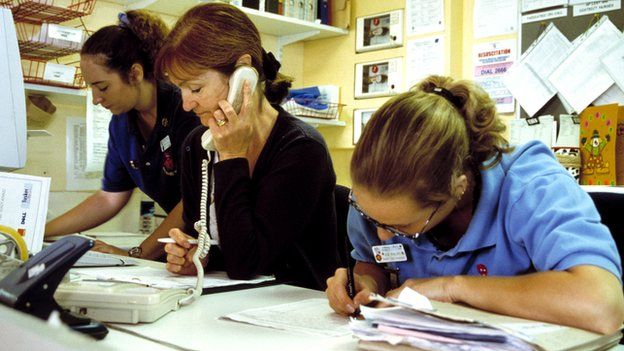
[419, 140]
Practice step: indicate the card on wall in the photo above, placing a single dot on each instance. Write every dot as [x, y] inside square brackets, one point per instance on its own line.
[378, 78]
[598, 139]
[380, 31]
[619, 147]
[360, 118]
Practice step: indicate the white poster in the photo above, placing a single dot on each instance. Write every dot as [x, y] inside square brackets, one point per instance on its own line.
[491, 62]
[424, 57]
[24, 205]
[76, 152]
[424, 16]
[98, 119]
[495, 17]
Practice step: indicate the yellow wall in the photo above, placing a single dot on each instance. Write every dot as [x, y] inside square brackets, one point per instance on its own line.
[46, 155]
[332, 61]
[316, 62]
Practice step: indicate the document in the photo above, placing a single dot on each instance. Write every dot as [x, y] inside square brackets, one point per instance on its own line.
[76, 158]
[613, 95]
[581, 77]
[456, 327]
[424, 57]
[23, 206]
[424, 16]
[569, 132]
[521, 132]
[613, 63]
[160, 278]
[495, 17]
[527, 78]
[98, 119]
[312, 317]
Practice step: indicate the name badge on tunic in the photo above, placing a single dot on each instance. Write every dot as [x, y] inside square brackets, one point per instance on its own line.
[389, 253]
[165, 143]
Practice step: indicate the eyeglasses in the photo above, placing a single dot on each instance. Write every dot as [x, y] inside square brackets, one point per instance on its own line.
[391, 229]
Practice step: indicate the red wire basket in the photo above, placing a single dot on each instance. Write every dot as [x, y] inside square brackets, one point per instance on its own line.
[48, 41]
[35, 72]
[38, 11]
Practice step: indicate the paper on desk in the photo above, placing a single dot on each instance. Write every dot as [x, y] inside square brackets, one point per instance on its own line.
[161, 278]
[312, 316]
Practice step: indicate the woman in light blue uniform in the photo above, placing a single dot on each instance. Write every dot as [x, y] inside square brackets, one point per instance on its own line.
[442, 204]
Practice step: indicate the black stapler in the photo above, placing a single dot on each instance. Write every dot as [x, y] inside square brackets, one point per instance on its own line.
[30, 287]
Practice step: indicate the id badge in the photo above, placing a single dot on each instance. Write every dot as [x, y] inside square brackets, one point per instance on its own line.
[165, 143]
[389, 253]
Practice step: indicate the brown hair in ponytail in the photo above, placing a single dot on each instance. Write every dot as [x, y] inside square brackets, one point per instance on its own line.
[419, 140]
[136, 39]
[215, 36]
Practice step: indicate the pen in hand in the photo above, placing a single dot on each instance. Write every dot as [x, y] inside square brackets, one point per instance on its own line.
[350, 278]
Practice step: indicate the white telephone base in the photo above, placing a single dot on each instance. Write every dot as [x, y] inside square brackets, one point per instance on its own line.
[117, 302]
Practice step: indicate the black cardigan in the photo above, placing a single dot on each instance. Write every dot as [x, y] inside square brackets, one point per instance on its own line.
[280, 221]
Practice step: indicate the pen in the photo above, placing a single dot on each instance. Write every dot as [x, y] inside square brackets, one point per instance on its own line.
[171, 241]
[350, 278]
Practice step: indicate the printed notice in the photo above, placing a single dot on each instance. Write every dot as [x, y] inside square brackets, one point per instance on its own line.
[424, 16]
[98, 119]
[491, 62]
[596, 7]
[495, 17]
[76, 153]
[424, 57]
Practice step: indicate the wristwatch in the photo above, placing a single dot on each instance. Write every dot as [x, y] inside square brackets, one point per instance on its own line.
[135, 252]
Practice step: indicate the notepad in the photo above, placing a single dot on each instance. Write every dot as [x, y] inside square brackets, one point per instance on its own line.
[160, 278]
[311, 317]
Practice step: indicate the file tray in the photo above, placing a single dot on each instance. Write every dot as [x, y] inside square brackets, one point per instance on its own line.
[118, 302]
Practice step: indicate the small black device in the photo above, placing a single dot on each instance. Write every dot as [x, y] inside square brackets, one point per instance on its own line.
[29, 286]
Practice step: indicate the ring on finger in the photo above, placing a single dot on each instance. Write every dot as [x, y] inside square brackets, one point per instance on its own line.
[221, 122]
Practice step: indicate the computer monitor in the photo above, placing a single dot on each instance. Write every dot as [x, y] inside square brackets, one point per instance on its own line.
[12, 100]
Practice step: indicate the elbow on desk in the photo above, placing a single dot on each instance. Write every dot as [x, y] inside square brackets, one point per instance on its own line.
[609, 319]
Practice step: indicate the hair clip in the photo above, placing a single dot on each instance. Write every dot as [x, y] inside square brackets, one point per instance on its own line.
[453, 99]
[270, 65]
[123, 20]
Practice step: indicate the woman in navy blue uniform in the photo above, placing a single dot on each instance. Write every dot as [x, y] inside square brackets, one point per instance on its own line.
[145, 133]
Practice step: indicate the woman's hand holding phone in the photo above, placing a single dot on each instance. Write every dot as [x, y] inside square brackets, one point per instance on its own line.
[233, 138]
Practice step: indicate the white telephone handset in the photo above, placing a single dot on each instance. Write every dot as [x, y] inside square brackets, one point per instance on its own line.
[235, 98]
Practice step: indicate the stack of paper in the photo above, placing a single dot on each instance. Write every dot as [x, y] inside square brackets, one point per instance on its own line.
[418, 325]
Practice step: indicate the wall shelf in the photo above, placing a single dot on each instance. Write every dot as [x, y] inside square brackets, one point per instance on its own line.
[318, 122]
[288, 30]
[58, 94]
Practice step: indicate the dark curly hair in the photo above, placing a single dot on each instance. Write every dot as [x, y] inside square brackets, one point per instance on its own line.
[136, 40]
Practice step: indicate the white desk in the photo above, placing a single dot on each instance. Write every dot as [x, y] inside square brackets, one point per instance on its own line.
[197, 327]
